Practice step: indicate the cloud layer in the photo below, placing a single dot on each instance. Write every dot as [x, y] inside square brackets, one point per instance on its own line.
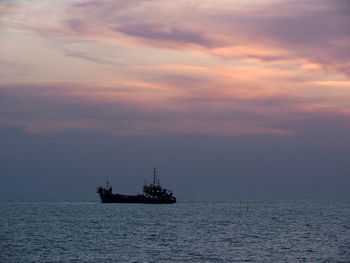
[164, 67]
[311, 32]
[132, 110]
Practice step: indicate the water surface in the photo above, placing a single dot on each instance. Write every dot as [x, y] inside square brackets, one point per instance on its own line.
[189, 231]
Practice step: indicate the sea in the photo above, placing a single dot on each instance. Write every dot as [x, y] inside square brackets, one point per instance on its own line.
[192, 230]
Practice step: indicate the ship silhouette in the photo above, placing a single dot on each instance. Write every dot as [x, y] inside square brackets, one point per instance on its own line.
[153, 193]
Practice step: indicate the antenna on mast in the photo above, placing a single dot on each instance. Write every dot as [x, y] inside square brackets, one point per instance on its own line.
[154, 175]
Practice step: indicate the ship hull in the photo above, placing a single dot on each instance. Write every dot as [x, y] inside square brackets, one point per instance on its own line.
[135, 199]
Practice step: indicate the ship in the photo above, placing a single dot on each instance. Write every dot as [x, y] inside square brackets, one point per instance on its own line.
[153, 193]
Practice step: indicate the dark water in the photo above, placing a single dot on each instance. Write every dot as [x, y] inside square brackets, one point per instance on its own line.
[189, 231]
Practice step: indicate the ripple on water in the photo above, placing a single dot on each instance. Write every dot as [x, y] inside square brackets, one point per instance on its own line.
[270, 231]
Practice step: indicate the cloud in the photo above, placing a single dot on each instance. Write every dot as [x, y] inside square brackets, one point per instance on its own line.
[128, 110]
[267, 32]
[86, 56]
[247, 67]
[155, 32]
[8, 8]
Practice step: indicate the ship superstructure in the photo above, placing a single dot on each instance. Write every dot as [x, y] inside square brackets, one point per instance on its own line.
[153, 193]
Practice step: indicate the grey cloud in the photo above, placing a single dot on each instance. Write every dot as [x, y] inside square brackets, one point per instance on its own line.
[86, 56]
[76, 25]
[155, 32]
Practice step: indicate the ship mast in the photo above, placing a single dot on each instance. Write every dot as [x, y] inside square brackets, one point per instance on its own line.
[155, 177]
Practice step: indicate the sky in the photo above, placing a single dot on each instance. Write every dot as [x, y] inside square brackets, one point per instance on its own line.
[226, 97]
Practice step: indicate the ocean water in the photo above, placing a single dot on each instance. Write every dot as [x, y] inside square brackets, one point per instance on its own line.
[189, 231]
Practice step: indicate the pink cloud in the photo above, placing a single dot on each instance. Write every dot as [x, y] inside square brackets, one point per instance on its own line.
[7, 8]
[318, 34]
[121, 110]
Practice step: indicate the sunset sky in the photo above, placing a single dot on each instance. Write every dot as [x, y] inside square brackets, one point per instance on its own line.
[253, 93]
